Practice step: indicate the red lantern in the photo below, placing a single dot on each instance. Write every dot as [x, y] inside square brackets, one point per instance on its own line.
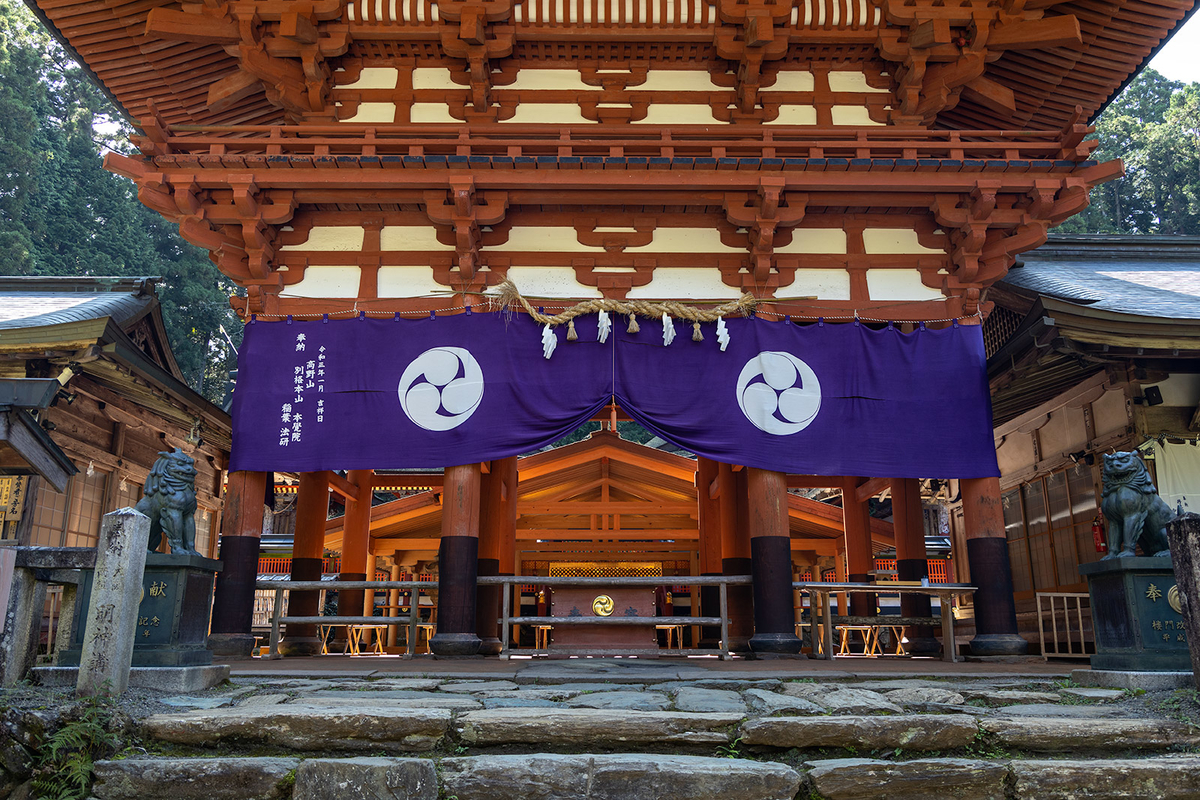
[1098, 535]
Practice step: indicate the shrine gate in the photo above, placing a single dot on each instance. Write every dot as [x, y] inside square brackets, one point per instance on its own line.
[762, 229]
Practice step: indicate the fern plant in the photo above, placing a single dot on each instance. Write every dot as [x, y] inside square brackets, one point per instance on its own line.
[64, 760]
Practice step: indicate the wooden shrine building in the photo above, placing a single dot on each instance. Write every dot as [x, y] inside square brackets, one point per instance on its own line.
[855, 173]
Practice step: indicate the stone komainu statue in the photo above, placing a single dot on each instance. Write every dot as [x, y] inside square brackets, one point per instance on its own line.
[169, 500]
[1135, 512]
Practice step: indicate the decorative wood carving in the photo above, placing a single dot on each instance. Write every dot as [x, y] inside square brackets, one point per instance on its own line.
[465, 212]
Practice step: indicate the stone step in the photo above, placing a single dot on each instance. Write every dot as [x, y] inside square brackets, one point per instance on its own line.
[903, 731]
[1068, 735]
[645, 776]
[306, 728]
[587, 727]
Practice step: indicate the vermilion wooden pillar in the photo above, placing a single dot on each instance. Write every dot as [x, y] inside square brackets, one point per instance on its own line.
[497, 516]
[709, 516]
[771, 563]
[987, 554]
[908, 525]
[356, 542]
[458, 563]
[735, 555]
[857, 520]
[233, 596]
[308, 546]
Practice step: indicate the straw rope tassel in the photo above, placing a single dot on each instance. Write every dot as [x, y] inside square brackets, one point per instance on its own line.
[697, 336]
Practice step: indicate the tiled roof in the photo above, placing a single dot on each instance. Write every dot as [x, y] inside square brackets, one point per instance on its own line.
[1148, 276]
[32, 302]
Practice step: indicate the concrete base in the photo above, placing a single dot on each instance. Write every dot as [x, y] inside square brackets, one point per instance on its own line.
[167, 679]
[999, 644]
[1128, 679]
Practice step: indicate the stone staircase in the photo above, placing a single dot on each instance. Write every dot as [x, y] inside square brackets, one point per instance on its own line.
[717, 737]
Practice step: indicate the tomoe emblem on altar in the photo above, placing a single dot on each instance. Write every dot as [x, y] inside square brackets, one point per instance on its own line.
[441, 388]
[778, 393]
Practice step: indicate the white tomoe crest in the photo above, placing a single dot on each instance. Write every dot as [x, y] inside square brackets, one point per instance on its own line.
[441, 388]
[778, 393]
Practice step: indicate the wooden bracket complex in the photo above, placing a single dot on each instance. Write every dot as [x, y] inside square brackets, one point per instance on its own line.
[941, 50]
[464, 212]
[479, 39]
[751, 34]
[282, 48]
[762, 216]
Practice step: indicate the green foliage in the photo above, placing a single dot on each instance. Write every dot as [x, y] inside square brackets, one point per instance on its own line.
[1182, 705]
[1154, 127]
[61, 213]
[64, 761]
[731, 750]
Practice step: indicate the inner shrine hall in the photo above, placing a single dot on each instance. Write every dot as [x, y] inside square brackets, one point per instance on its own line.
[762, 229]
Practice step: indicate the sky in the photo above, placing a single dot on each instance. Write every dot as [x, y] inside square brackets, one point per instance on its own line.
[1179, 59]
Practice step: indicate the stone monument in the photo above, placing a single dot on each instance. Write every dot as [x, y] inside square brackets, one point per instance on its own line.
[1136, 603]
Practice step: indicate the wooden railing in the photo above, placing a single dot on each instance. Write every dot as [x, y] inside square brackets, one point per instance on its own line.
[520, 145]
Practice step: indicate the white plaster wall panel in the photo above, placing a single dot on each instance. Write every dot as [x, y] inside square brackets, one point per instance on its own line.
[410, 281]
[542, 240]
[685, 284]
[410, 237]
[555, 113]
[1015, 454]
[1110, 412]
[894, 241]
[686, 240]
[677, 80]
[791, 81]
[822, 284]
[532, 80]
[375, 78]
[795, 115]
[852, 82]
[1180, 389]
[433, 78]
[374, 112]
[340, 238]
[430, 113]
[555, 282]
[899, 284]
[326, 282]
[671, 114]
[852, 115]
[816, 241]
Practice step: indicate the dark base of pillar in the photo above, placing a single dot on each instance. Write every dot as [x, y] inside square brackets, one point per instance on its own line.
[923, 646]
[764, 644]
[999, 644]
[490, 646]
[454, 644]
[300, 646]
[231, 646]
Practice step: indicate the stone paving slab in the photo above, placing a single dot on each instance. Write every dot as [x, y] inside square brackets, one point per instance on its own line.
[1087, 693]
[312, 728]
[616, 777]
[721, 701]
[1081, 735]
[194, 779]
[1177, 778]
[453, 702]
[629, 701]
[585, 726]
[908, 732]
[929, 779]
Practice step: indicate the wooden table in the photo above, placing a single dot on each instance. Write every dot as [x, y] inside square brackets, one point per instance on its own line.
[821, 598]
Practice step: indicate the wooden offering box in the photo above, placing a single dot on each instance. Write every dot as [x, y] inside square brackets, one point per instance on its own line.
[579, 601]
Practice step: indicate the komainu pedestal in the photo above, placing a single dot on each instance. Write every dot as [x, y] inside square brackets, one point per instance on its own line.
[173, 616]
[1136, 615]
